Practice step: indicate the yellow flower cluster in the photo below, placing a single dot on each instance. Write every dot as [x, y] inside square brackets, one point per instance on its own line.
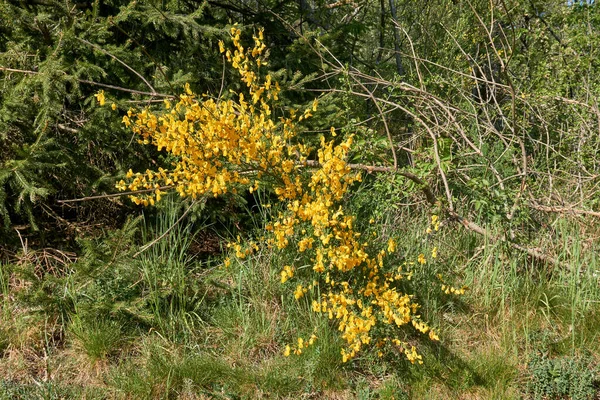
[302, 344]
[100, 98]
[358, 293]
[286, 273]
[239, 250]
[435, 224]
[220, 145]
[228, 145]
[448, 289]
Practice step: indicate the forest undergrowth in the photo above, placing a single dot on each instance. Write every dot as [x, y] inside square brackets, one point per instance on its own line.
[326, 200]
[172, 323]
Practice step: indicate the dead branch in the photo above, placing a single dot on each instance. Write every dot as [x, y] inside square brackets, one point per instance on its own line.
[152, 243]
[119, 61]
[121, 89]
[108, 196]
[563, 210]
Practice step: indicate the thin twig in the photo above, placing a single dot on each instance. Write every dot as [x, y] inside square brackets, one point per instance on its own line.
[21, 71]
[222, 79]
[119, 88]
[119, 61]
[122, 89]
[152, 243]
[534, 253]
[383, 119]
[160, 69]
[563, 210]
[107, 196]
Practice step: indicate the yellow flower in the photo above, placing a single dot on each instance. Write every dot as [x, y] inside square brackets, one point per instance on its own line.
[391, 245]
[316, 306]
[413, 356]
[301, 344]
[433, 336]
[287, 350]
[299, 292]
[345, 356]
[434, 252]
[286, 273]
[113, 106]
[100, 97]
[435, 222]
[421, 259]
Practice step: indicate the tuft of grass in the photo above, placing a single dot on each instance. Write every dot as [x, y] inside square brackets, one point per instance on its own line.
[165, 370]
[98, 338]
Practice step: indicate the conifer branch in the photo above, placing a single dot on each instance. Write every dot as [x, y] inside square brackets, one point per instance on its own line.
[119, 88]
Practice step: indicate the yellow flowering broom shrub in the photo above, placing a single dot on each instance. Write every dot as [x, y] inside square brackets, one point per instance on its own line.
[231, 145]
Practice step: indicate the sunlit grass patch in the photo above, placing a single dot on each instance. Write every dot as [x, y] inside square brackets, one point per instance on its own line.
[97, 338]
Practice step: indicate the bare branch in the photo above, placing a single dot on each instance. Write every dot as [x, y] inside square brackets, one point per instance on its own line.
[111, 195]
[119, 61]
[152, 243]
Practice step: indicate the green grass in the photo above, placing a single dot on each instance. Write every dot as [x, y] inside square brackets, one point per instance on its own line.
[168, 273]
[166, 324]
[97, 338]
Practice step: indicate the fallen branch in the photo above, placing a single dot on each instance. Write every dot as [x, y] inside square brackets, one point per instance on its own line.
[533, 253]
[107, 196]
[429, 195]
[369, 168]
[563, 210]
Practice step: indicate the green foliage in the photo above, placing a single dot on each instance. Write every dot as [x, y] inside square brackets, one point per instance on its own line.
[57, 56]
[21, 185]
[98, 338]
[172, 372]
[47, 391]
[573, 378]
[172, 287]
[107, 285]
[166, 324]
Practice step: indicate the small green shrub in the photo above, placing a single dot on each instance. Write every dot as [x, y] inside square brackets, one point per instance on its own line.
[562, 378]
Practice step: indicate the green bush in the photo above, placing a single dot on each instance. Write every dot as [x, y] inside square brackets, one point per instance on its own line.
[567, 377]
